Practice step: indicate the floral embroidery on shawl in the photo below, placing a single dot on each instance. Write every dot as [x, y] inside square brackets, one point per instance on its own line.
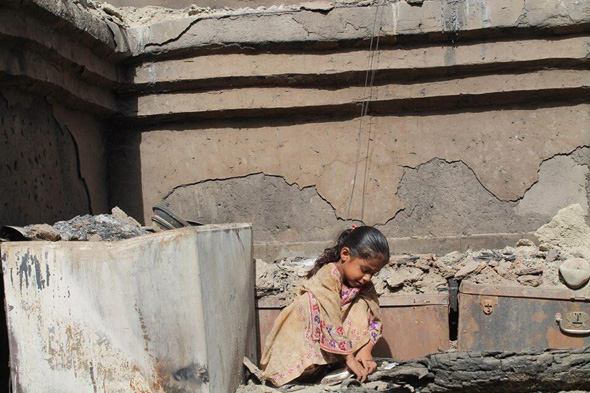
[333, 324]
[331, 337]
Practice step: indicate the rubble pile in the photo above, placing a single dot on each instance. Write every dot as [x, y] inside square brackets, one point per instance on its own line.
[565, 239]
[102, 227]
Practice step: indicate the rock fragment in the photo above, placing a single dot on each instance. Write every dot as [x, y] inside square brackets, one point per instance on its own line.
[43, 232]
[531, 281]
[472, 266]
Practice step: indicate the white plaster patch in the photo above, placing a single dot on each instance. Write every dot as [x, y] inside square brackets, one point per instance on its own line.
[562, 182]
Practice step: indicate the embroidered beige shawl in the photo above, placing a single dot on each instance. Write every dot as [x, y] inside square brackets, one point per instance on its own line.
[325, 322]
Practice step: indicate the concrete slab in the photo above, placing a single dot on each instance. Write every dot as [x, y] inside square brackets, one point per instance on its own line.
[172, 311]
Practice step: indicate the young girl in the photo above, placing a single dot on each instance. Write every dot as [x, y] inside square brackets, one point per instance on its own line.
[336, 316]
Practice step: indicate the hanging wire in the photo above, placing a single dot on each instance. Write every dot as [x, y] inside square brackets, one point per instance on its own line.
[365, 109]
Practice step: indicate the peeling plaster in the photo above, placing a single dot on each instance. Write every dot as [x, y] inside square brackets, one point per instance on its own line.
[503, 148]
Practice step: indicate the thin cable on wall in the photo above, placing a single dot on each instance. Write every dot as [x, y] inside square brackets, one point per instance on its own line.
[369, 81]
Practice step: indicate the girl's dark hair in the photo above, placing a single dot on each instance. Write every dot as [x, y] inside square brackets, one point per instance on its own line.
[363, 242]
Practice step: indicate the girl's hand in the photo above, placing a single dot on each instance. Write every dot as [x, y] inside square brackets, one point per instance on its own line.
[356, 367]
[365, 358]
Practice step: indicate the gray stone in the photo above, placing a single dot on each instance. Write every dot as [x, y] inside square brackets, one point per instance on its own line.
[575, 272]
[43, 232]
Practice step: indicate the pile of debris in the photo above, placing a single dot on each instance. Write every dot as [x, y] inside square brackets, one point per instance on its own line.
[103, 227]
[563, 242]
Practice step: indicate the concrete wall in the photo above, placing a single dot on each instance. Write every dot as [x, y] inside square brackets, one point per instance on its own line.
[478, 120]
[52, 163]
[55, 100]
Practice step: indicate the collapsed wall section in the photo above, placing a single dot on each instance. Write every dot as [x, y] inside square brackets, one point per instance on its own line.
[476, 111]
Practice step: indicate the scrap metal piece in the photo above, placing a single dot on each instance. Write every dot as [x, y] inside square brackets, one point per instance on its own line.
[14, 233]
[336, 377]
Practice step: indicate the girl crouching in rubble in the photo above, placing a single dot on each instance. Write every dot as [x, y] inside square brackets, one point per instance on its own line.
[336, 315]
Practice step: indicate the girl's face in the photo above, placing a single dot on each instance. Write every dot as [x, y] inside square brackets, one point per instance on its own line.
[357, 272]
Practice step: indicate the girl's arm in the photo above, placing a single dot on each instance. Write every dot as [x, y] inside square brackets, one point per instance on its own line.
[356, 367]
[365, 357]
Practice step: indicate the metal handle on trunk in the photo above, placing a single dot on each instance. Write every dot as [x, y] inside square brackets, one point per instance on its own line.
[577, 332]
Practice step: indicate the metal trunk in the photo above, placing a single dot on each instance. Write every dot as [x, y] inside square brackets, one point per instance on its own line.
[413, 325]
[500, 318]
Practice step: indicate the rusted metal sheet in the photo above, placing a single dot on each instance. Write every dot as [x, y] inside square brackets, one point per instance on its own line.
[267, 310]
[169, 312]
[515, 318]
[413, 325]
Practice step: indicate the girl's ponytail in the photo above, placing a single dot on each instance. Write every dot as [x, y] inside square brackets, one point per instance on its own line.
[331, 254]
[363, 242]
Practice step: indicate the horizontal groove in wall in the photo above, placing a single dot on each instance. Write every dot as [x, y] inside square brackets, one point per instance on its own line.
[284, 99]
[85, 72]
[54, 92]
[33, 67]
[270, 43]
[71, 18]
[397, 61]
[414, 107]
[18, 26]
[353, 78]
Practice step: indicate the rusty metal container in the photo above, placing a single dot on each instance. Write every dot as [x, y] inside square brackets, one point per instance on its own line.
[413, 325]
[514, 318]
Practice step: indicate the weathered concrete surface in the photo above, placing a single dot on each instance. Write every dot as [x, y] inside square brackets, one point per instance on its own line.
[60, 48]
[444, 198]
[94, 28]
[212, 103]
[487, 92]
[504, 148]
[355, 23]
[216, 69]
[202, 3]
[562, 182]
[136, 315]
[29, 68]
[40, 174]
[279, 212]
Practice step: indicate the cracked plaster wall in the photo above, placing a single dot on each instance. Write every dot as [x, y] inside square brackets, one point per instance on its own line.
[441, 198]
[435, 174]
[51, 166]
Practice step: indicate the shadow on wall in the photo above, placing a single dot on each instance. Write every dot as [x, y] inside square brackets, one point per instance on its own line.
[124, 172]
[39, 165]
[4, 353]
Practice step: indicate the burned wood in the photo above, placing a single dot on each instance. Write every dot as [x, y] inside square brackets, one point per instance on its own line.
[545, 370]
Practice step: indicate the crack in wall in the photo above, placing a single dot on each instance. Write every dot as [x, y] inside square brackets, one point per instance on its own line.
[247, 176]
[567, 154]
[78, 164]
